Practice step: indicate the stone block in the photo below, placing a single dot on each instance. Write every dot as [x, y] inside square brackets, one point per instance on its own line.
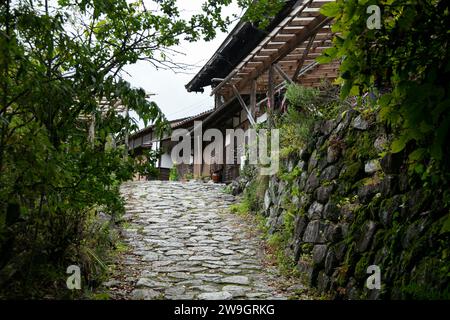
[333, 233]
[372, 166]
[312, 183]
[323, 282]
[366, 236]
[359, 123]
[333, 154]
[329, 173]
[391, 163]
[319, 254]
[331, 212]
[330, 262]
[315, 211]
[314, 232]
[323, 193]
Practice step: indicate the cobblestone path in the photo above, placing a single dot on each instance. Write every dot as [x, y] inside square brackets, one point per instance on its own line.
[185, 244]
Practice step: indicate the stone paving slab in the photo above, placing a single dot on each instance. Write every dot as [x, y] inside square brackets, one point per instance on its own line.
[185, 244]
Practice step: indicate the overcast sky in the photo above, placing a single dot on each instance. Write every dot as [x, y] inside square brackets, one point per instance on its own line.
[169, 87]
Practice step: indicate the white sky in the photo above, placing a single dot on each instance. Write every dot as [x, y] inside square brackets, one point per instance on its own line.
[169, 87]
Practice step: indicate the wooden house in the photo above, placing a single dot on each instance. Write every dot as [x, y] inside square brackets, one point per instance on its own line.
[148, 139]
[250, 70]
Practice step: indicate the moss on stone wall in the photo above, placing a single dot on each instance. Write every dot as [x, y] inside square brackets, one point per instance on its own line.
[342, 203]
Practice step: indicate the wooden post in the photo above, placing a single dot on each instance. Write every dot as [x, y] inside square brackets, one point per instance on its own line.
[301, 61]
[313, 27]
[244, 106]
[217, 101]
[271, 96]
[253, 99]
[282, 73]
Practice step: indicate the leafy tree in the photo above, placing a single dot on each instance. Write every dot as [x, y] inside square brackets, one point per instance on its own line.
[406, 62]
[60, 88]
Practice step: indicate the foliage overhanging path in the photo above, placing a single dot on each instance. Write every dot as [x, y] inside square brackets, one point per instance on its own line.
[184, 244]
[60, 92]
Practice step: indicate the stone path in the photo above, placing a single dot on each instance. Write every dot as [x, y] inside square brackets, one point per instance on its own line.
[184, 244]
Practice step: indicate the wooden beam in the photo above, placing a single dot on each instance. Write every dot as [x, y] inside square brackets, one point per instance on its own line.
[217, 100]
[230, 76]
[284, 37]
[269, 50]
[244, 106]
[301, 21]
[319, 3]
[254, 62]
[295, 41]
[260, 58]
[253, 97]
[303, 58]
[271, 96]
[308, 15]
[282, 73]
[290, 30]
[300, 12]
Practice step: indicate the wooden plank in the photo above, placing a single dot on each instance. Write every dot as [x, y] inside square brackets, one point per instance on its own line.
[288, 62]
[316, 24]
[271, 79]
[244, 106]
[319, 3]
[269, 50]
[254, 62]
[271, 96]
[307, 10]
[301, 21]
[274, 45]
[260, 58]
[282, 73]
[292, 30]
[317, 47]
[299, 11]
[306, 14]
[253, 97]
[284, 37]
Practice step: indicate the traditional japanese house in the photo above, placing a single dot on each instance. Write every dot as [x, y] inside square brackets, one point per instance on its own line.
[149, 139]
[250, 70]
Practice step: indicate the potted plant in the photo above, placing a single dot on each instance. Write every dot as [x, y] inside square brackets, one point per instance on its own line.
[216, 177]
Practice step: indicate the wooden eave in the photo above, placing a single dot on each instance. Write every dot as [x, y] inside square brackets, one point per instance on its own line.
[298, 40]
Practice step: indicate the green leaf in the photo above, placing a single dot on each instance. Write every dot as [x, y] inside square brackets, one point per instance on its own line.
[324, 59]
[330, 9]
[346, 88]
[399, 144]
[446, 225]
[417, 155]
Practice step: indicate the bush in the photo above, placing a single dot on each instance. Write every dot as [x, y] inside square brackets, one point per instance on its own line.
[173, 175]
[302, 98]
[306, 106]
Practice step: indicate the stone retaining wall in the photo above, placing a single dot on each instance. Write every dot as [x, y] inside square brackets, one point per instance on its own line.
[347, 208]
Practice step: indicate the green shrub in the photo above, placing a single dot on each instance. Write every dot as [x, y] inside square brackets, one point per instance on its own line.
[295, 130]
[302, 98]
[173, 175]
[188, 176]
